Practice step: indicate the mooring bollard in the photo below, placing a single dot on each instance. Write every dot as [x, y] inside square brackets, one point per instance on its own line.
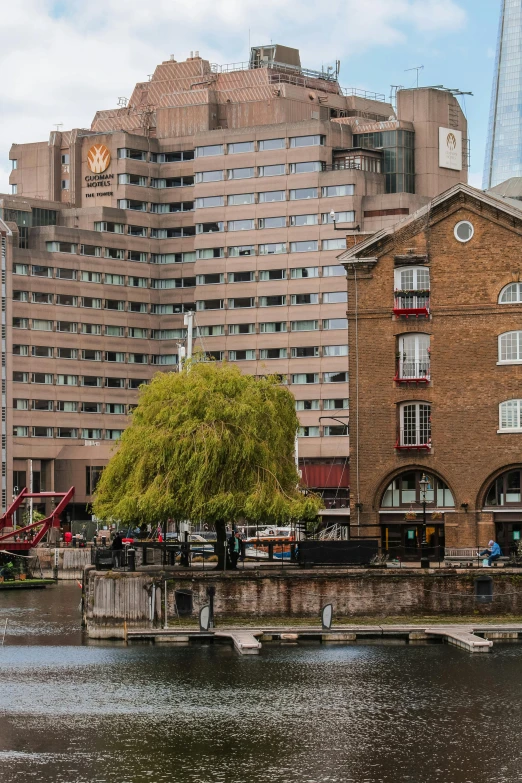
[55, 567]
[131, 559]
[211, 592]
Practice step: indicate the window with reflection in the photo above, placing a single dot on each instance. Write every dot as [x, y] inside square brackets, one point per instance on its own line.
[405, 491]
[511, 293]
[506, 490]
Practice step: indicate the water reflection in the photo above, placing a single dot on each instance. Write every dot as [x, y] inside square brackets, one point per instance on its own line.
[50, 616]
[313, 714]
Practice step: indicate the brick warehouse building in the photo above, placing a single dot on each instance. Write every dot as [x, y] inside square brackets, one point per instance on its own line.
[211, 190]
[435, 359]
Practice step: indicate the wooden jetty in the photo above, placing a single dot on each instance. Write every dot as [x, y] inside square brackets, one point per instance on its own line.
[247, 641]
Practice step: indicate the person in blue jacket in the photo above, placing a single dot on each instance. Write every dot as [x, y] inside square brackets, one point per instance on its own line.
[492, 553]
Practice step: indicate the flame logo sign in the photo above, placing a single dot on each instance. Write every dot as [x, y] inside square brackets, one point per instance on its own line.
[451, 141]
[98, 158]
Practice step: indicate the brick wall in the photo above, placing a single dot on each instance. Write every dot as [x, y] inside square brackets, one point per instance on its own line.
[466, 383]
[111, 599]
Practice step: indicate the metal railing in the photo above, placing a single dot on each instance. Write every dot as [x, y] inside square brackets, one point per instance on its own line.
[326, 549]
[286, 68]
[414, 438]
[413, 371]
[329, 503]
[331, 533]
[370, 96]
[411, 302]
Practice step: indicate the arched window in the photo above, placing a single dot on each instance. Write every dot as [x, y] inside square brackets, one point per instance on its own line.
[511, 293]
[506, 490]
[510, 416]
[412, 290]
[413, 357]
[510, 348]
[404, 491]
[414, 425]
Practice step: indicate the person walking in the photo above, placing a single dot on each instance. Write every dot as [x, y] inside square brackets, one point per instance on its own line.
[117, 549]
[493, 553]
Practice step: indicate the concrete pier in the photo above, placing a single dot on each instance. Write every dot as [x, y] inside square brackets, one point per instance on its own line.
[463, 638]
[247, 641]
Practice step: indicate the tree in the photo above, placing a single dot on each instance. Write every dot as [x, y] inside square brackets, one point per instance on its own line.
[207, 444]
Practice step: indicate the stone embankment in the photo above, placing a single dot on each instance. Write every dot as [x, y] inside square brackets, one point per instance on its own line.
[115, 602]
[71, 562]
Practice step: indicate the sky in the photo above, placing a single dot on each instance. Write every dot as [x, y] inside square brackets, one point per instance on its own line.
[62, 60]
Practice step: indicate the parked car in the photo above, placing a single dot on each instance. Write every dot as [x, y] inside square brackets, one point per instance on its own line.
[200, 546]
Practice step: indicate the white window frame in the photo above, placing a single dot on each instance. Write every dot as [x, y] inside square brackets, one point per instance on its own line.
[422, 434]
[463, 223]
[516, 414]
[240, 173]
[327, 294]
[517, 287]
[304, 431]
[414, 356]
[415, 285]
[518, 339]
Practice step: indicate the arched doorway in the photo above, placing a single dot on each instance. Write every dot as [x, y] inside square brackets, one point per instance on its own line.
[401, 515]
[503, 498]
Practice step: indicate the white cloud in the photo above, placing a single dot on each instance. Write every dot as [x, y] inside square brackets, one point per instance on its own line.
[65, 60]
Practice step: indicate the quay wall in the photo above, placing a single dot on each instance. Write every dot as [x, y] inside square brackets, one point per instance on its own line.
[71, 562]
[115, 601]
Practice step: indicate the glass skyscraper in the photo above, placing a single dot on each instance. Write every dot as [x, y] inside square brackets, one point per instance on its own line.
[504, 145]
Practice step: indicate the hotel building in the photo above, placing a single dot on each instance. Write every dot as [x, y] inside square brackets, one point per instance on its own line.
[229, 191]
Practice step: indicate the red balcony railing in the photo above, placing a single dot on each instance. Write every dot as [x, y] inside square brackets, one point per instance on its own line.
[415, 303]
[412, 372]
[413, 439]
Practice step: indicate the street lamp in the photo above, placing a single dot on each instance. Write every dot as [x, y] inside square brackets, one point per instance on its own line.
[333, 219]
[424, 484]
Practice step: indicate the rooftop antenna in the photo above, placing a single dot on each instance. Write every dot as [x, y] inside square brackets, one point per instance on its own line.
[122, 102]
[415, 68]
[58, 125]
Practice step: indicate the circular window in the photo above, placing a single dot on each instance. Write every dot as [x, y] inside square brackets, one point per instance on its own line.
[464, 231]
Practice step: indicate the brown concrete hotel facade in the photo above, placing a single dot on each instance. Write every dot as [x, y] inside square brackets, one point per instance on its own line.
[229, 191]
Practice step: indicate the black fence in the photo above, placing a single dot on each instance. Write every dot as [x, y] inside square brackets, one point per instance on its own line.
[261, 553]
[354, 552]
[105, 559]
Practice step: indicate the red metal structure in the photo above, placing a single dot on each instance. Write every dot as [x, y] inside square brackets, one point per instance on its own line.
[12, 541]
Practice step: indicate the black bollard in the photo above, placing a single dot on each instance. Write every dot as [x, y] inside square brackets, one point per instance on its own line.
[131, 559]
[211, 592]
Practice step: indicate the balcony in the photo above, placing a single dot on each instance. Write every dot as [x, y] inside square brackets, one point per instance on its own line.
[411, 303]
[411, 439]
[412, 371]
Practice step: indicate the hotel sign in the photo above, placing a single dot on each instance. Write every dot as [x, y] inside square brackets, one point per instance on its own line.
[450, 149]
[99, 160]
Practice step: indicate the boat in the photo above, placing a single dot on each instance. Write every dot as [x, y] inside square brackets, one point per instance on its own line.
[278, 538]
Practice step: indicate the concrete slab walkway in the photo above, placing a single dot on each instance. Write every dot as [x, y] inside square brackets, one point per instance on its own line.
[247, 641]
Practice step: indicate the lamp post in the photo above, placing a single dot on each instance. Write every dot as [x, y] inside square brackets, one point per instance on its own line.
[424, 484]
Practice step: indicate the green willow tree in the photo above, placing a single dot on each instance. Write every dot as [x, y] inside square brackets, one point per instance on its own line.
[208, 445]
